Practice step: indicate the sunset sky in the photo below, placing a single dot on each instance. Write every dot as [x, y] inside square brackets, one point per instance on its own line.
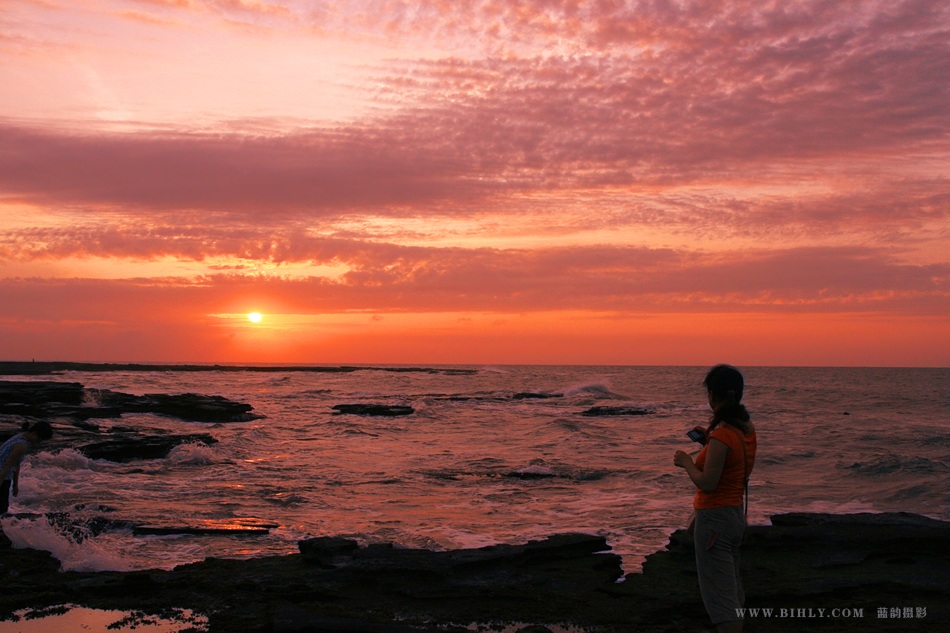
[476, 181]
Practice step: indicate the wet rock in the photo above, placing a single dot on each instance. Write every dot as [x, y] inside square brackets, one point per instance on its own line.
[291, 618]
[606, 411]
[387, 410]
[535, 395]
[71, 400]
[27, 392]
[200, 408]
[324, 550]
[126, 449]
[498, 562]
[886, 561]
[86, 425]
[79, 529]
[187, 406]
[98, 507]
[208, 527]
[39, 399]
[80, 526]
[815, 561]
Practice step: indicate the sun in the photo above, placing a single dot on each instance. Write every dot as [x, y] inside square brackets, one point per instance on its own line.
[255, 317]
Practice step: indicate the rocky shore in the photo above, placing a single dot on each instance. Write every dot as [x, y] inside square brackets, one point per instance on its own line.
[860, 572]
[73, 411]
[857, 572]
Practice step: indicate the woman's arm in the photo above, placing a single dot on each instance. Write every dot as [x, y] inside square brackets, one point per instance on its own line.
[708, 478]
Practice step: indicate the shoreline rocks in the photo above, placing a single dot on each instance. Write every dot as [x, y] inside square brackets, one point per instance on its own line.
[869, 564]
[373, 410]
[76, 408]
[606, 411]
[187, 406]
[132, 448]
[79, 526]
[51, 399]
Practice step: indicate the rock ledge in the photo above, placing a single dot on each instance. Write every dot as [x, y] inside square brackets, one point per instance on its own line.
[865, 562]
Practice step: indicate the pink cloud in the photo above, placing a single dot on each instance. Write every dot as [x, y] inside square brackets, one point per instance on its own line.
[389, 278]
[745, 95]
[801, 121]
[319, 173]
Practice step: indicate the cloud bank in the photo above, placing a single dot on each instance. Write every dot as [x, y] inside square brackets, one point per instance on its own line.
[623, 158]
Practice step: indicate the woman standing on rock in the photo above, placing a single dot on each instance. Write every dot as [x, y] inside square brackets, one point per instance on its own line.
[721, 474]
[11, 454]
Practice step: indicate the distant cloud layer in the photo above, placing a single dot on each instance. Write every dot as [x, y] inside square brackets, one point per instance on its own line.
[495, 156]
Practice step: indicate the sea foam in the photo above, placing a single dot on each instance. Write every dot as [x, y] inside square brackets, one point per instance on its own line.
[89, 555]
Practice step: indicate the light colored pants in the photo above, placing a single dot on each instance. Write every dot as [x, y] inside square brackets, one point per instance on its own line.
[717, 535]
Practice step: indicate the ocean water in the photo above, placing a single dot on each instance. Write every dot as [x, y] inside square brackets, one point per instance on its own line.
[480, 462]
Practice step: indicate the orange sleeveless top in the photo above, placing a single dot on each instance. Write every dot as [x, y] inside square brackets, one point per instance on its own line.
[731, 487]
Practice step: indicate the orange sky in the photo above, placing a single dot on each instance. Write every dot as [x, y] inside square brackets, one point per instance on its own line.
[476, 181]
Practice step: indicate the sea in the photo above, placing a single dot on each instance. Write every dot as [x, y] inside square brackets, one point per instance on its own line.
[500, 454]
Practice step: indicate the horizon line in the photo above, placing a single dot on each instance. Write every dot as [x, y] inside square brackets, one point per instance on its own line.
[47, 366]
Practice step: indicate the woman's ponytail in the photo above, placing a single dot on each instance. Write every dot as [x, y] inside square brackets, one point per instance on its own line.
[732, 412]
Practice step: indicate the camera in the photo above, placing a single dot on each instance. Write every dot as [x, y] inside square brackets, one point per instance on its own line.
[697, 436]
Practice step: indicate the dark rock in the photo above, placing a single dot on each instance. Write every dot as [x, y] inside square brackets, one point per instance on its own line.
[79, 528]
[863, 520]
[604, 411]
[388, 410]
[187, 406]
[289, 618]
[324, 550]
[87, 426]
[86, 412]
[66, 399]
[208, 527]
[96, 508]
[82, 528]
[564, 580]
[816, 561]
[40, 399]
[199, 408]
[535, 395]
[126, 449]
[27, 392]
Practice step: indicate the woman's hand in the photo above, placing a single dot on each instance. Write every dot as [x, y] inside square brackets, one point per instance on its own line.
[682, 459]
[702, 429]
